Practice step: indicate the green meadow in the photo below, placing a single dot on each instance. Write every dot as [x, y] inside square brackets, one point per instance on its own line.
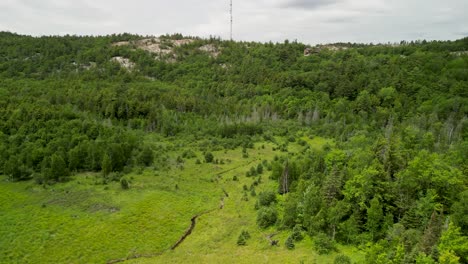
[82, 221]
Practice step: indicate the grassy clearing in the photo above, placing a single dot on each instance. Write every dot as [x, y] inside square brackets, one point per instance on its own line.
[81, 222]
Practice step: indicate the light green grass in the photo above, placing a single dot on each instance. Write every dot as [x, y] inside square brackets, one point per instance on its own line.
[81, 222]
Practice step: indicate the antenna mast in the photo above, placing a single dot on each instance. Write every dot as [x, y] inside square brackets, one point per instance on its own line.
[230, 12]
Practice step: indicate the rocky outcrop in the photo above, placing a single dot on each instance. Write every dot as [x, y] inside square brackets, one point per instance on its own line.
[124, 62]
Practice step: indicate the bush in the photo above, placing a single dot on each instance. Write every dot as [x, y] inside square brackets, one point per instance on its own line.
[289, 243]
[146, 156]
[297, 233]
[323, 244]
[253, 171]
[124, 184]
[266, 217]
[209, 157]
[259, 169]
[188, 154]
[241, 241]
[266, 198]
[243, 237]
[342, 259]
[245, 197]
[253, 193]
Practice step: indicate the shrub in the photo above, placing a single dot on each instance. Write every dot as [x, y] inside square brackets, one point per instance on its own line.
[209, 157]
[146, 156]
[243, 237]
[253, 193]
[342, 259]
[241, 241]
[188, 154]
[323, 244]
[253, 171]
[266, 217]
[266, 198]
[289, 243]
[259, 169]
[297, 233]
[124, 184]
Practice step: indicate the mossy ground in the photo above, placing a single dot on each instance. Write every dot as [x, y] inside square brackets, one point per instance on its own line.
[81, 221]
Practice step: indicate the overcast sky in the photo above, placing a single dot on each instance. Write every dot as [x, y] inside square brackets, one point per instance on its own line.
[308, 21]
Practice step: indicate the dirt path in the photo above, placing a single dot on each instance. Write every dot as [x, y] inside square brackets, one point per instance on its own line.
[190, 229]
[174, 246]
[187, 232]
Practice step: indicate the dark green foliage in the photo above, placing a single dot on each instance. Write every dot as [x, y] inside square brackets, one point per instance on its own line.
[209, 157]
[323, 244]
[266, 198]
[188, 154]
[58, 168]
[15, 169]
[460, 212]
[106, 165]
[342, 259]
[297, 233]
[253, 171]
[146, 156]
[252, 192]
[391, 167]
[266, 216]
[124, 184]
[289, 243]
[243, 237]
[240, 129]
[259, 169]
[374, 217]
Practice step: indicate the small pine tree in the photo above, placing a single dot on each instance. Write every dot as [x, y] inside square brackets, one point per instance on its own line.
[297, 233]
[58, 167]
[243, 237]
[342, 259]
[253, 193]
[241, 241]
[209, 157]
[259, 169]
[106, 165]
[124, 184]
[289, 243]
[253, 171]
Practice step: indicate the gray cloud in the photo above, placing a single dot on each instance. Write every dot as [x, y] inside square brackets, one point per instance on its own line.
[314, 21]
[308, 4]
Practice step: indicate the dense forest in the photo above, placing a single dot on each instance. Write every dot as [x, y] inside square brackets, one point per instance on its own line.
[393, 180]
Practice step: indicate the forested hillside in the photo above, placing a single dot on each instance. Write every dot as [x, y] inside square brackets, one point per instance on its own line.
[391, 177]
